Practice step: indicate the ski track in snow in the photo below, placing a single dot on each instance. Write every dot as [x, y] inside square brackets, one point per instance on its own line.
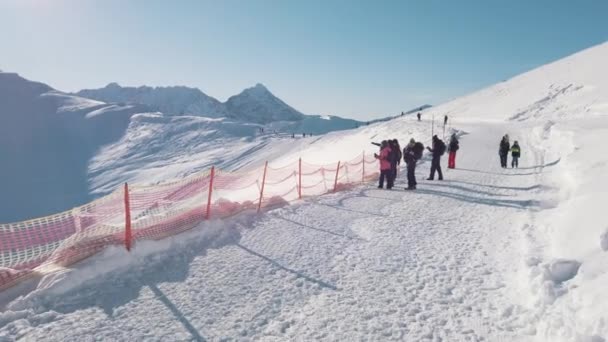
[364, 264]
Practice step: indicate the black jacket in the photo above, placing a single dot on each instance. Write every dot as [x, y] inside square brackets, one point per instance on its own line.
[516, 150]
[454, 146]
[438, 148]
[504, 147]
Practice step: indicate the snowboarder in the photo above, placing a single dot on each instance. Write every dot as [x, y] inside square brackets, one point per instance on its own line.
[452, 148]
[419, 115]
[503, 150]
[438, 150]
[515, 153]
[411, 154]
[385, 164]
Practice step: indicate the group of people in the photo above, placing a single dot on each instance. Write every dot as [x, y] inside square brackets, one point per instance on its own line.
[504, 149]
[390, 157]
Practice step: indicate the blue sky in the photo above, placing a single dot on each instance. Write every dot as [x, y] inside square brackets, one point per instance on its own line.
[359, 59]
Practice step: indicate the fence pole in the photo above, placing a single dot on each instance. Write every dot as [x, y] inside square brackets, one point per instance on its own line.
[336, 181]
[208, 213]
[300, 178]
[262, 189]
[363, 173]
[128, 235]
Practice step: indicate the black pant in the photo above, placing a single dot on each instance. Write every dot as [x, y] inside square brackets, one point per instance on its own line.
[393, 177]
[385, 174]
[436, 166]
[515, 162]
[503, 159]
[411, 174]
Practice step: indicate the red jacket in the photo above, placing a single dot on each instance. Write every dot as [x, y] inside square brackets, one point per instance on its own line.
[385, 164]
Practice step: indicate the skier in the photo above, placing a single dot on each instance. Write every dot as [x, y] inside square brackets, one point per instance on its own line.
[515, 153]
[419, 116]
[445, 120]
[385, 164]
[411, 154]
[503, 150]
[438, 150]
[452, 148]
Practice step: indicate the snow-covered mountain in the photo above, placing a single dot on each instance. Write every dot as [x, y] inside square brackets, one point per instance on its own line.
[46, 140]
[253, 105]
[257, 104]
[168, 100]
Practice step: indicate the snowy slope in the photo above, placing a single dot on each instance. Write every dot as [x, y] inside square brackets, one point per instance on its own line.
[46, 139]
[573, 87]
[488, 254]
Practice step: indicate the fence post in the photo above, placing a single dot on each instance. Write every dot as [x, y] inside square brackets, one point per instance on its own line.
[208, 213]
[300, 178]
[363, 173]
[262, 189]
[128, 235]
[336, 181]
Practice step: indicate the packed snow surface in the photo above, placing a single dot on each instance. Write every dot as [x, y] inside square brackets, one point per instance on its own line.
[488, 254]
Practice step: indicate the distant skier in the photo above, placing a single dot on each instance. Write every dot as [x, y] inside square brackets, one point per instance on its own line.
[385, 164]
[411, 154]
[419, 115]
[503, 150]
[438, 150]
[452, 148]
[515, 154]
[445, 120]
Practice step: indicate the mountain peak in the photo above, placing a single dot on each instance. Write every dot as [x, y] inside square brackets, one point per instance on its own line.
[113, 85]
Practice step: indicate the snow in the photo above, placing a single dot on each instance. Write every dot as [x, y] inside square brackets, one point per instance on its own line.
[47, 138]
[168, 100]
[487, 254]
[254, 105]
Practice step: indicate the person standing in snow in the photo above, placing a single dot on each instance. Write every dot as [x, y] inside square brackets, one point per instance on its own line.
[411, 154]
[385, 164]
[419, 115]
[515, 153]
[452, 148]
[437, 150]
[445, 121]
[395, 159]
[503, 150]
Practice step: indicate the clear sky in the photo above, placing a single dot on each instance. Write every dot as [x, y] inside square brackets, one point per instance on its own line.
[358, 59]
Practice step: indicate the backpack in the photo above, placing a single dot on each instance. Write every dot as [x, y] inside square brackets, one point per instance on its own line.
[440, 147]
[418, 149]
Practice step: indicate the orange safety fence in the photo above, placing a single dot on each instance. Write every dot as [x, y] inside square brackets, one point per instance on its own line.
[152, 212]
